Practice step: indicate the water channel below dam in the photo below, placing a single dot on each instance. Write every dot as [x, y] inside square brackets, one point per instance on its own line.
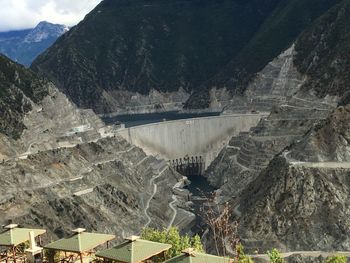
[199, 186]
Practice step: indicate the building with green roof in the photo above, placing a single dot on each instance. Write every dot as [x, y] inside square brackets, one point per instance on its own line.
[134, 250]
[191, 256]
[14, 236]
[81, 242]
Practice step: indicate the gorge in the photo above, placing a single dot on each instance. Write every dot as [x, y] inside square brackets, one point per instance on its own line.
[272, 139]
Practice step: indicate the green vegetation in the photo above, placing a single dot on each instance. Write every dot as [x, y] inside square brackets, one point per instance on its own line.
[336, 259]
[275, 256]
[241, 257]
[172, 237]
[51, 255]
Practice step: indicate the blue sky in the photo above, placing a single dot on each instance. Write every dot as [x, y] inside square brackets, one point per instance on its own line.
[21, 14]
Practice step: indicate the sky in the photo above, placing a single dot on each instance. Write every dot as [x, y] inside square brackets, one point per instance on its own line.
[23, 14]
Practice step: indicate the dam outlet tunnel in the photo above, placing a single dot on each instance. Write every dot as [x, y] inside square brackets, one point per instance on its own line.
[189, 165]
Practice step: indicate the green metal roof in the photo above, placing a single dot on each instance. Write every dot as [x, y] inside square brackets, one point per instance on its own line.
[80, 242]
[196, 257]
[16, 236]
[134, 251]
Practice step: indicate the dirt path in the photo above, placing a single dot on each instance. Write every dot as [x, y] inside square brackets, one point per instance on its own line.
[155, 187]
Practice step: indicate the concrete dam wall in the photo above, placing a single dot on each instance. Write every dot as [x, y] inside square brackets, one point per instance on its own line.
[198, 137]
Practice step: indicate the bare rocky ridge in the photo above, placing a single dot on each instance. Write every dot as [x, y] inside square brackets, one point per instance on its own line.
[67, 169]
[298, 207]
[96, 184]
[287, 179]
[293, 114]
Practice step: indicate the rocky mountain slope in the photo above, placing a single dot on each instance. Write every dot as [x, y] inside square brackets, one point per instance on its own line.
[24, 46]
[303, 203]
[66, 169]
[186, 46]
[288, 178]
[323, 52]
[17, 87]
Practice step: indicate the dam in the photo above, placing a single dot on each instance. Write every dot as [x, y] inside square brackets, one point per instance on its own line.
[192, 143]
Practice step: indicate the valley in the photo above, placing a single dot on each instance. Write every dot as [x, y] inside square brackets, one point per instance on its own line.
[127, 119]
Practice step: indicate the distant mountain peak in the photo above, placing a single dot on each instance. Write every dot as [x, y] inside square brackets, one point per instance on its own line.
[24, 46]
[45, 30]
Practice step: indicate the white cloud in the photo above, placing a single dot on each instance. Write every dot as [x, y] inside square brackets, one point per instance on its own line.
[20, 14]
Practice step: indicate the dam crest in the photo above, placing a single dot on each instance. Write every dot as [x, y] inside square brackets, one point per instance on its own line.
[192, 143]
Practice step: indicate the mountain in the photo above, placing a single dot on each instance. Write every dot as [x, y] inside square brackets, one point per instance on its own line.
[62, 168]
[132, 47]
[24, 46]
[17, 87]
[323, 52]
[287, 179]
[131, 54]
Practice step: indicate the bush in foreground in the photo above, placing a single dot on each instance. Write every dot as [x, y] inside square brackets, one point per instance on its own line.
[336, 259]
[172, 237]
[275, 256]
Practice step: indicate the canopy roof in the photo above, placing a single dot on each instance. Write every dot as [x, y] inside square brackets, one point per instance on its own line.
[134, 250]
[80, 242]
[191, 256]
[15, 236]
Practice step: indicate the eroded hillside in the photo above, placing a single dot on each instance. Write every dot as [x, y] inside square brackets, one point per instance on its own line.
[66, 169]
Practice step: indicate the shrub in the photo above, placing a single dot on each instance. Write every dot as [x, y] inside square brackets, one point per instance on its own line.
[51, 255]
[241, 257]
[275, 256]
[172, 237]
[336, 259]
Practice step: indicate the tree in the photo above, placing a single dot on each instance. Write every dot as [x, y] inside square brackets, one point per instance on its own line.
[241, 257]
[51, 255]
[172, 237]
[223, 229]
[275, 256]
[336, 259]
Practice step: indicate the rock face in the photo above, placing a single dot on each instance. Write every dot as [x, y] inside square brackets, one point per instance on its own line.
[292, 116]
[66, 169]
[323, 52]
[123, 51]
[287, 179]
[25, 45]
[18, 88]
[297, 207]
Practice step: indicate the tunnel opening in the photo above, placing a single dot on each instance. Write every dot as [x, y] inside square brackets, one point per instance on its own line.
[189, 166]
[193, 167]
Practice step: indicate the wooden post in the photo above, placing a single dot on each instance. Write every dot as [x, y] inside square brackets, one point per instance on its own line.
[7, 255]
[81, 258]
[14, 254]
